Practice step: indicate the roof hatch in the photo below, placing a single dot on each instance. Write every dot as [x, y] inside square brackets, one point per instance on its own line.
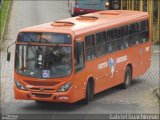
[62, 23]
[110, 12]
[85, 17]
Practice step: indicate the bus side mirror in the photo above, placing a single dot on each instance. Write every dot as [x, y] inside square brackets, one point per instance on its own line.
[8, 56]
[8, 53]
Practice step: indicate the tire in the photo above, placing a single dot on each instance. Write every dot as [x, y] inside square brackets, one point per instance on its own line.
[89, 93]
[128, 78]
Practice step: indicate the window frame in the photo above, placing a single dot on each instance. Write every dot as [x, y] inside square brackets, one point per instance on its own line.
[83, 52]
[113, 40]
[93, 46]
[99, 44]
[124, 38]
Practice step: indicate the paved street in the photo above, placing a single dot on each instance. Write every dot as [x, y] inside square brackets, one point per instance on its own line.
[139, 98]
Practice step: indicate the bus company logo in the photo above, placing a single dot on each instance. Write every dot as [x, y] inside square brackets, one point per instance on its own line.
[121, 59]
[112, 64]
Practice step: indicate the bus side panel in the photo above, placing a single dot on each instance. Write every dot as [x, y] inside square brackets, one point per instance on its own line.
[148, 55]
[145, 57]
[114, 70]
[102, 71]
[79, 86]
[121, 58]
[99, 74]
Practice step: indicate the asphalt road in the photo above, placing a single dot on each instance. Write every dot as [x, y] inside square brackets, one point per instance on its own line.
[139, 98]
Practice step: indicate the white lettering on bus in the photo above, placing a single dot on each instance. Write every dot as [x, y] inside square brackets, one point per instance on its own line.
[121, 59]
[118, 60]
[102, 65]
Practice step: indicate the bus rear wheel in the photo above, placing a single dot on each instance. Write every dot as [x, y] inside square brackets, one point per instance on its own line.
[89, 93]
[128, 78]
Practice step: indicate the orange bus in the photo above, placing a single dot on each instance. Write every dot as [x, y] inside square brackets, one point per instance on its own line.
[73, 59]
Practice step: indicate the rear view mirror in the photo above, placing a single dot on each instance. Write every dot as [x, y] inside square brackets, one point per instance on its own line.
[8, 53]
[8, 56]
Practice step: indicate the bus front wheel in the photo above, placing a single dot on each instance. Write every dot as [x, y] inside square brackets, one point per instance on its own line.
[89, 93]
[128, 78]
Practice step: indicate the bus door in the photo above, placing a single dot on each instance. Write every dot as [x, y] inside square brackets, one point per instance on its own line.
[79, 69]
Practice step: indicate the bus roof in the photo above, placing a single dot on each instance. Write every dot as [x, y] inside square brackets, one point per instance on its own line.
[89, 22]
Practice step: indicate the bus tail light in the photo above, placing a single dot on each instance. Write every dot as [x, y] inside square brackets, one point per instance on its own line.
[65, 87]
[19, 85]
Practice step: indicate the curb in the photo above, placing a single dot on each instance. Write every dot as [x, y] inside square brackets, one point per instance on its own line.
[5, 24]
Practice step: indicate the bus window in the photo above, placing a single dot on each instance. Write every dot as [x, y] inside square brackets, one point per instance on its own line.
[144, 34]
[40, 37]
[79, 56]
[90, 47]
[133, 30]
[111, 40]
[144, 25]
[100, 43]
[122, 36]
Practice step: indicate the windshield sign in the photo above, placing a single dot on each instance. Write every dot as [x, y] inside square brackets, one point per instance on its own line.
[43, 61]
[48, 38]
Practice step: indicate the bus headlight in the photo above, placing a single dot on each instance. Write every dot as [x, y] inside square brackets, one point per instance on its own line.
[65, 87]
[19, 85]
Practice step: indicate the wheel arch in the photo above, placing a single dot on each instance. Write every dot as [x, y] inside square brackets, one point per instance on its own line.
[91, 80]
[130, 65]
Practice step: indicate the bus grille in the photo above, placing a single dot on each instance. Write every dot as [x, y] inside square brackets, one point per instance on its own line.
[41, 83]
[42, 89]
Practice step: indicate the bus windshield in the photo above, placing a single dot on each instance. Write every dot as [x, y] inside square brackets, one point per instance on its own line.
[43, 61]
[44, 37]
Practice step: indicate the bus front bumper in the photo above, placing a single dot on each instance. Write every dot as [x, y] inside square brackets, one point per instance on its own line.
[41, 96]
